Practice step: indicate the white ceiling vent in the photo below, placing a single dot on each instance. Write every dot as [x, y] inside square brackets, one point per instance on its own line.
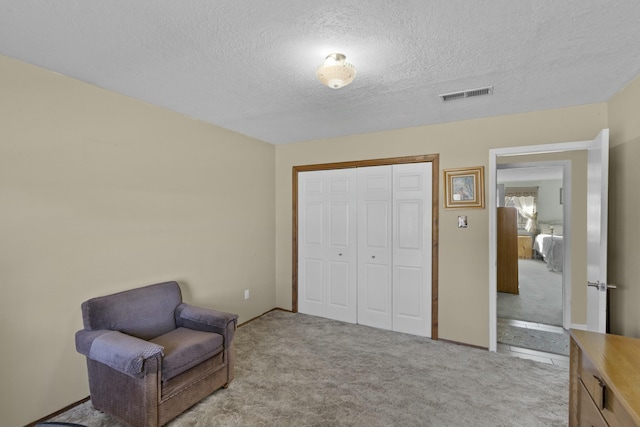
[467, 93]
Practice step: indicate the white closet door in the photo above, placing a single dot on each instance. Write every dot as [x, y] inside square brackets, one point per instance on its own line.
[341, 255]
[364, 242]
[374, 246]
[327, 244]
[412, 231]
[311, 243]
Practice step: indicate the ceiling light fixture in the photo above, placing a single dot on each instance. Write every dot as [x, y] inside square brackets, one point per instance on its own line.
[335, 72]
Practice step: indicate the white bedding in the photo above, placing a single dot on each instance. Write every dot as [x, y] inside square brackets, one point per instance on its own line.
[551, 249]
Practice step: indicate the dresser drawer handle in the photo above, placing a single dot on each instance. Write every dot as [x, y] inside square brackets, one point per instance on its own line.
[602, 402]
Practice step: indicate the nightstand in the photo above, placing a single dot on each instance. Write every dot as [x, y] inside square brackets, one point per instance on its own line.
[524, 247]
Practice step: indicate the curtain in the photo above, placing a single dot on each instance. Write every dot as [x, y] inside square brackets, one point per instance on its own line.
[526, 206]
[524, 199]
[521, 192]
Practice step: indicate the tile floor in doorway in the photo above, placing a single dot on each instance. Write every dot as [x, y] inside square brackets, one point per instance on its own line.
[525, 353]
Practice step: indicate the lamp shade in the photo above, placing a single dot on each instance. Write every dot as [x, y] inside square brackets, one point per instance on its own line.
[335, 72]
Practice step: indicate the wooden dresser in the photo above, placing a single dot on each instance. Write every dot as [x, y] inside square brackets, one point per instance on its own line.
[604, 380]
[507, 250]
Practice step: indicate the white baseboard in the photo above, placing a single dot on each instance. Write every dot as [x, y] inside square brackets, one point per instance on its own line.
[578, 326]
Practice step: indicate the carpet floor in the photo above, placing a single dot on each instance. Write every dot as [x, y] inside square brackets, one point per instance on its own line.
[540, 298]
[301, 370]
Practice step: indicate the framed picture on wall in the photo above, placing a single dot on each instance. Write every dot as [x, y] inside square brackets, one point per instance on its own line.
[464, 187]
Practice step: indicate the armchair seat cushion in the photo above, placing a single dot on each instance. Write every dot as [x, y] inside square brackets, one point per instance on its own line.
[185, 348]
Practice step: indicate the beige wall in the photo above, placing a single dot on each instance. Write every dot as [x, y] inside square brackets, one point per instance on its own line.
[100, 193]
[624, 209]
[463, 292]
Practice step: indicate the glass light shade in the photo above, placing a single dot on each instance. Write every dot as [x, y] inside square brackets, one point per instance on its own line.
[335, 72]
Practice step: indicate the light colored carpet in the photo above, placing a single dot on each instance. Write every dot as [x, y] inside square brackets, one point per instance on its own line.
[300, 370]
[540, 298]
[550, 342]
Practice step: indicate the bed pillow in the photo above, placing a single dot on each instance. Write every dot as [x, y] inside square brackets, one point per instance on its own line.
[545, 229]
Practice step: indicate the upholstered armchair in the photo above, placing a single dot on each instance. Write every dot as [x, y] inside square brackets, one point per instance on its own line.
[150, 356]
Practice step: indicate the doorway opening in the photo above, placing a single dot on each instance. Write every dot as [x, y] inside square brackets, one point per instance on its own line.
[585, 241]
[531, 318]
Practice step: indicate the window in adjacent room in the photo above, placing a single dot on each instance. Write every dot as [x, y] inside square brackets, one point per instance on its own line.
[524, 199]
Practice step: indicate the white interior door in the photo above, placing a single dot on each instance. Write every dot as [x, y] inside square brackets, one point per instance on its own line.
[412, 248]
[374, 246]
[597, 203]
[327, 244]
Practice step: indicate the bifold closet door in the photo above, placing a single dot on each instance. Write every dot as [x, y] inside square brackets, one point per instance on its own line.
[375, 274]
[327, 244]
[394, 247]
[412, 251]
[364, 246]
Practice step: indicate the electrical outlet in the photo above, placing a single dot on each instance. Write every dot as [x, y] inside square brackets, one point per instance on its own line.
[246, 294]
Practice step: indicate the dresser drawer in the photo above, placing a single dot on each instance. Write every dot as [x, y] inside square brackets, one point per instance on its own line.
[603, 397]
[588, 413]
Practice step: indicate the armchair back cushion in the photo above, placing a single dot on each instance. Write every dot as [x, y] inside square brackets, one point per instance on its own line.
[144, 313]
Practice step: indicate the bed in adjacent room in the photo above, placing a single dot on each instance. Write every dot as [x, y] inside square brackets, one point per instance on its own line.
[549, 245]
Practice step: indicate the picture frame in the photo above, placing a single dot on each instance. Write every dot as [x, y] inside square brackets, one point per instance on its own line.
[464, 187]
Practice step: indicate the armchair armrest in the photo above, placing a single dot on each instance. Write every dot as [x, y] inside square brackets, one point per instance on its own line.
[208, 320]
[119, 351]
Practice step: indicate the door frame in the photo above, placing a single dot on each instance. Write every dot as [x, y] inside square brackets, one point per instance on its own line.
[492, 203]
[434, 159]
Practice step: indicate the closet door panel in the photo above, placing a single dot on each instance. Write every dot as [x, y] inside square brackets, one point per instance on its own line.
[377, 217]
[373, 297]
[374, 247]
[412, 195]
[312, 295]
[338, 285]
[340, 272]
[311, 242]
[342, 246]
[327, 244]
[409, 283]
[376, 291]
[409, 229]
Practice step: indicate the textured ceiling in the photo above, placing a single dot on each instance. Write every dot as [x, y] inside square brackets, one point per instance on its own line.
[250, 65]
